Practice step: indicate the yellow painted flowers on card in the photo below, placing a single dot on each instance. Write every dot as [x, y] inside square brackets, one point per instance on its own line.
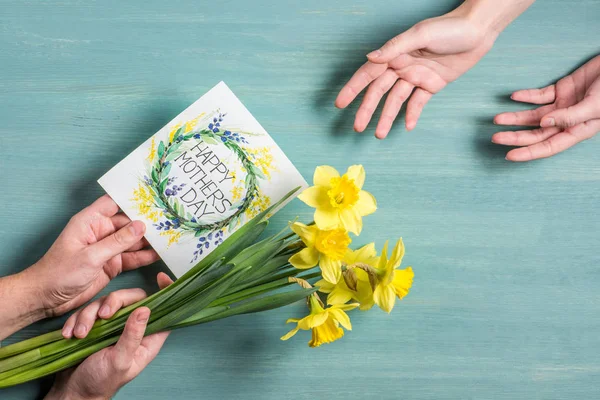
[349, 278]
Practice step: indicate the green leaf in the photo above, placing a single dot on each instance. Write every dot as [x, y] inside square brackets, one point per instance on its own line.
[163, 185]
[172, 155]
[258, 172]
[210, 140]
[161, 149]
[154, 176]
[166, 169]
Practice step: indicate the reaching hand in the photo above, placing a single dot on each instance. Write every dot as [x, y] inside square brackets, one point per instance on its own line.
[425, 58]
[570, 115]
[97, 244]
[105, 372]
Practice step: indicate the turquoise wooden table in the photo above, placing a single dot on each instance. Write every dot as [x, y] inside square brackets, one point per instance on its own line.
[506, 296]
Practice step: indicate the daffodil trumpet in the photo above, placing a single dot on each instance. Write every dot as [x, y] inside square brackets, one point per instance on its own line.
[247, 274]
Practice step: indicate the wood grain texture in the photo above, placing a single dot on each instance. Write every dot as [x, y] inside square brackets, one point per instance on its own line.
[505, 302]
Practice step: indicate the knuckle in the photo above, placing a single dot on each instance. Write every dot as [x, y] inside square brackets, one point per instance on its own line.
[549, 149]
[119, 238]
[393, 41]
[88, 258]
[113, 298]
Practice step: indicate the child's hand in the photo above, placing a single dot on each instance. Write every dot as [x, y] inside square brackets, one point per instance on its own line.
[571, 115]
[105, 372]
[425, 58]
[97, 244]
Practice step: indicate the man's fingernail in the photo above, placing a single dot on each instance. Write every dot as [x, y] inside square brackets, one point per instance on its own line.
[105, 310]
[547, 122]
[137, 228]
[67, 332]
[142, 317]
[374, 54]
[80, 330]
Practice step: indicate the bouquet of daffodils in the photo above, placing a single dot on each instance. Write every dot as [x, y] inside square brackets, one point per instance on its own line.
[247, 274]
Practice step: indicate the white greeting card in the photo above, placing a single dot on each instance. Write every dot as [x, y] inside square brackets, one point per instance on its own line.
[200, 178]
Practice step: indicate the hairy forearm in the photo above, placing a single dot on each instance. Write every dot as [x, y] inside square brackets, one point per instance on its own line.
[493, 14]
[20, 303]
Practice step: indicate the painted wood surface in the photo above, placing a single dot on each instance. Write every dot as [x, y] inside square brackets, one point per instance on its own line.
[506, 297]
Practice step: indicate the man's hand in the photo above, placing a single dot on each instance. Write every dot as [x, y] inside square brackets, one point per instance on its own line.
[102, 374]
[97, 244]
[570, 115]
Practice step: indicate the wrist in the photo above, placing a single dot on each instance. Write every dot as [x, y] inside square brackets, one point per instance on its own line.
[59, 392]
[491, 15]
[21, 291]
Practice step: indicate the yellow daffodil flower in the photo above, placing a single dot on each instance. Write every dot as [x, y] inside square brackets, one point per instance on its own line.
[324, 247]
[392, 282]
[340, 293]
[324, 322]
[339, 200]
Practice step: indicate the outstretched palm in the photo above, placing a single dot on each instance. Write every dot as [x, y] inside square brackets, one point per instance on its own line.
[425, 59]
[570, 113]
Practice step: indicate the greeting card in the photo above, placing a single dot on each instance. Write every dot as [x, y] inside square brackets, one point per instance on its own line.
[200, 178]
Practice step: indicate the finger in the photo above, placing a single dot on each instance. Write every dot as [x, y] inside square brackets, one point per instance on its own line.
[361, 78]
[67, 330]
[163, 280]
[585, 110]
[140, 244]
[119, 299]
[555, 144]
[119, 220]
[104, 206]
[523, 118]
[415, 106]
[135, 259]
[396, 97]
[86, 318]
[524, 138]
[413, 39]
[71, 322]
[133, 334]
[424, 77]
[116, 243]
[376, 90]
[545, 95]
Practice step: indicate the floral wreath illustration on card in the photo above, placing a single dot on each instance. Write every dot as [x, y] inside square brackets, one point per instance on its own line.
[156, 196]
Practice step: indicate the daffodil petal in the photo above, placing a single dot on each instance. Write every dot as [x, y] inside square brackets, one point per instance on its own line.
[357, 172]
[383, 257]
[325, 286]
[366, 255]
[313, 320]
[345, 307]
[366, 203]
[308, 233]
[331, 269]
[402, 281]
[384, 297]
[315, 196]
[341, 317]
[327, 218]
[290, 320]
[290, 334]
[397, 254]
[351, 220]
[339, 296]
[305, 258]
[323, 175]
